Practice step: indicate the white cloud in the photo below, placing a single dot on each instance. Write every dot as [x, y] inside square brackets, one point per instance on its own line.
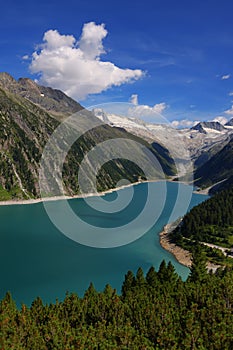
[230, 93]
[134, 99]
[75, 66]
[229, 111]
[25, 57]
[140, 111]
[225, 77]
[184, 123]
[145, 111]
[91, 39]
[222, 120]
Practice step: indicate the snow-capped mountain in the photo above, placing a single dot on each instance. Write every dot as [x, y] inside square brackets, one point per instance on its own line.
[207, 127]
[183, 144]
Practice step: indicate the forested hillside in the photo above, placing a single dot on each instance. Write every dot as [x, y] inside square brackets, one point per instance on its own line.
[210, 222]
[156, 312]
[26, 122]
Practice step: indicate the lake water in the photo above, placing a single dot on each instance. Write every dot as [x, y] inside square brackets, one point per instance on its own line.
[36, 259]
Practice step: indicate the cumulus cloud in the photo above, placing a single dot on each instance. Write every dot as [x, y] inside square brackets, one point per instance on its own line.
[91, 41]
[75, 66]
[222, 120]
[184, 123]
[145, 111]
[134, 99]
[225, 77]
[229, 111]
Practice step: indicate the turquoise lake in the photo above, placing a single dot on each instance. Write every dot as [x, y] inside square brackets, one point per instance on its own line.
[36, 259]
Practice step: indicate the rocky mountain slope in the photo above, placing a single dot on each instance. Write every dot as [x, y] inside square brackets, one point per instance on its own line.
[218, 168]
[29, 114]
[204, 127]
[197, 144]
[55, 102]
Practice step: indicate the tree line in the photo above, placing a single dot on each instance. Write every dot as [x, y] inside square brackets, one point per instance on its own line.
[154, 311]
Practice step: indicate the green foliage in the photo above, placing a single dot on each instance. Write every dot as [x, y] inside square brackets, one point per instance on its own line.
[159, 312]
[24, 130]
[198, 268]
[209, 222]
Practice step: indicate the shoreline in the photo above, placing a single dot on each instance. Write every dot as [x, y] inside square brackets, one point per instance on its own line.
[94, 194]
[57, 198]
[207, 189]
[183, 256]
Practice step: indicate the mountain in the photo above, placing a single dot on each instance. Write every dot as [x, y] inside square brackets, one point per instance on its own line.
[197, 144]
[204, 127]
[230, 122]
[212, 149]
[218, 168]
[27, 120]
[55, 102]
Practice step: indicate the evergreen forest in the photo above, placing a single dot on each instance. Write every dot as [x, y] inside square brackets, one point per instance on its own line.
[154, 311]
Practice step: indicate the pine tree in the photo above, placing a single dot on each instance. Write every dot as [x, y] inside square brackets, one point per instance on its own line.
[128, 283]
[151, 277]
[140, 279]
[198, 268]
[162, 273]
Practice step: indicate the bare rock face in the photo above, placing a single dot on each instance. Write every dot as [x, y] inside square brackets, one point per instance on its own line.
[53, 101]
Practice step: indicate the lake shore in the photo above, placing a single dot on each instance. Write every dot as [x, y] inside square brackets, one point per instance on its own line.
[57, 198]
[183, 256]
[206, 190]
[85, 195]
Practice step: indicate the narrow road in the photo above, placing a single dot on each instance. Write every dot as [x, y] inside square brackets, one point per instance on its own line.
[224, 250]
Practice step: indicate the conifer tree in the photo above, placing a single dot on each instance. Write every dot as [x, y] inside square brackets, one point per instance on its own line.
[198, 268]
[128, 283]
[151, 277]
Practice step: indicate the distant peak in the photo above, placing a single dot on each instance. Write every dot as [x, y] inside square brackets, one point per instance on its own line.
[209, 125]
[6, 79]
[6, 76]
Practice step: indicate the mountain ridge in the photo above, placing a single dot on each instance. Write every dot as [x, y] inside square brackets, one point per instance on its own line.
[195, 144]
[201, 126]
[54, 101]
[25, 127]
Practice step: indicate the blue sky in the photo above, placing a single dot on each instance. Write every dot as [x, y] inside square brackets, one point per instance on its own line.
[179, 54]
